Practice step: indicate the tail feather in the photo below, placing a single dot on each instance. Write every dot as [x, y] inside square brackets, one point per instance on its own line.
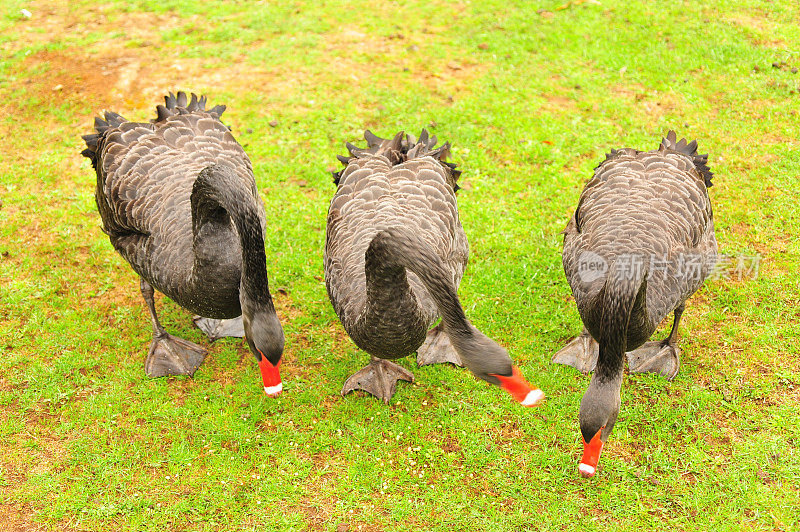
[399, 149]
[671, 143]
[173, 105]
[181, 104]
[112, 120]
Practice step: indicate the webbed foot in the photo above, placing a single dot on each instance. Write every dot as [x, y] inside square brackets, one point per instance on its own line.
[216, 329]
[655, 357]
[170, 355]
[378, 378]
[437, 349]
[581, 353]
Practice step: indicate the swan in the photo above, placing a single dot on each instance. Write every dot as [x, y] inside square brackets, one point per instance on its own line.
[179, 202]
[395, 253]
[640, 242]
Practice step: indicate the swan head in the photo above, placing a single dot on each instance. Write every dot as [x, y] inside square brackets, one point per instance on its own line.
[489, 361]
[264, 335]
[597, 415]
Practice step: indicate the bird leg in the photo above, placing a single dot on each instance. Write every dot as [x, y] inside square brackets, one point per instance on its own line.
[659, 357]
[581, 353]
[437, 349]
[216, 329]
[169, 355]
[378, 378]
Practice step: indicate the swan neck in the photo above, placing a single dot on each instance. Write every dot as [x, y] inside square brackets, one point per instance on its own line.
[254, 286]
[620, 296]
[220, 192]
[390, 253]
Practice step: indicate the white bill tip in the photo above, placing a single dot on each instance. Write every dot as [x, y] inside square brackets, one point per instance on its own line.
[533, 397]
[274, 390]
[587, 470]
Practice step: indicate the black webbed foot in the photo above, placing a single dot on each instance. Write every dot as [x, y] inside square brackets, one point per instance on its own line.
[170, 355]
[216, 329]
[437, 349]
[581, 353]
[378, 378]
[655, 357]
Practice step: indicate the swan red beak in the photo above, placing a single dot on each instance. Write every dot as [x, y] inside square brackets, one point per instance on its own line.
[591, 455]
[271, 376]
[520, 389]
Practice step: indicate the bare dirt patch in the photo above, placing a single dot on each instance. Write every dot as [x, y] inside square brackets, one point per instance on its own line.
[400, 52]
[81, 73]
[757, 26]
[131, 55]
[560, 103]
[17, 518]
[54, 21]
[655, 104]
[60, 76]
[557, 99]
[131, 70]
[120, 79]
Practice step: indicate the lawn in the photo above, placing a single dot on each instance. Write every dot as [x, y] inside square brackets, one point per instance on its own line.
[531, 95]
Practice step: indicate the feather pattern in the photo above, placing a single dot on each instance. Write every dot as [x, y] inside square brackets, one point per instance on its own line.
[397, 182]
[394, 256]
[639, 244]
[146, 172]
[651, 210]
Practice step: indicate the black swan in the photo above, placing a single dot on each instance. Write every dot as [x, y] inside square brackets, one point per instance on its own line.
[639, 244]
[394, 256]
[179, 202]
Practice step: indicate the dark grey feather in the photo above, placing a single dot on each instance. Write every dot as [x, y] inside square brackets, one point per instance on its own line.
[395, 253]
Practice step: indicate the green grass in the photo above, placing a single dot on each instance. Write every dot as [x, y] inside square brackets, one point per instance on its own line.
[531, 100]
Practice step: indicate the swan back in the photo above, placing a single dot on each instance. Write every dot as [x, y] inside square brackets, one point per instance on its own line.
[652, 210]
[145, 175]
[397, 182]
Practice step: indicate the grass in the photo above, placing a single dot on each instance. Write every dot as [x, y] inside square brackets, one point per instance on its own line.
[531, 94]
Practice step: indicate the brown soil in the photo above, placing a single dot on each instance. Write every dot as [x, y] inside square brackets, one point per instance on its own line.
[758, 31]
[17, 518]
[655, 104]
[131, 80]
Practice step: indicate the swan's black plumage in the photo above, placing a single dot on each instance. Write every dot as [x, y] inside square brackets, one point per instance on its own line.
[639, 244]
[379, 191]
[179, 202]
[394, 255]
